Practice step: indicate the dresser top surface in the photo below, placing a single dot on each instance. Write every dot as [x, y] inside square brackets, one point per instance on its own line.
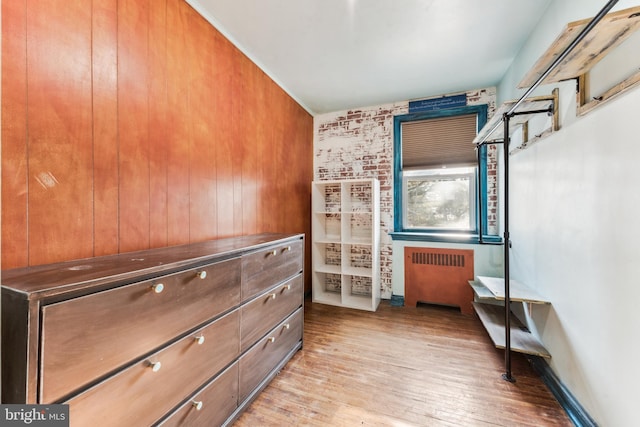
[76, 275]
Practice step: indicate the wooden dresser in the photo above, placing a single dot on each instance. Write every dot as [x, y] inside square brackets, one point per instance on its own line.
[184, 335]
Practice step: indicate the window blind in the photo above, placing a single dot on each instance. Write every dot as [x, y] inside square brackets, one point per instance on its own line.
[439, 142]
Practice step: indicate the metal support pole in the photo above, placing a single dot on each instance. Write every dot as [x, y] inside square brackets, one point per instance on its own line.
[479, 195]
[506, 117]
[507, 243]
[522, 113]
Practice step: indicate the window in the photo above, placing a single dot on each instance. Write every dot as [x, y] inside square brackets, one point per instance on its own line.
[436, 174]
[439, 199]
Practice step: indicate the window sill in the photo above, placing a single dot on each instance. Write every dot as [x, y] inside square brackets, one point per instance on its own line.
[444, 237]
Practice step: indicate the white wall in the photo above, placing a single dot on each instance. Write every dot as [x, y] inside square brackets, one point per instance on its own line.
[0, 151]
[575, 228]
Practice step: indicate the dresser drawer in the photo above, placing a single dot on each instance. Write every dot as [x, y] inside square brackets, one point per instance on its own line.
[267, 267]
[87, 337]
[259, 316]
[262, 358]
[140, 394]
[212, 405]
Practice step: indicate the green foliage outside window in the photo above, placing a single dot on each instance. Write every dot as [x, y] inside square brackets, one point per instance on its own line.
[438, 203]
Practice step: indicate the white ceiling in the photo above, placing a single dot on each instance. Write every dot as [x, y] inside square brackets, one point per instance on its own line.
[333, 55]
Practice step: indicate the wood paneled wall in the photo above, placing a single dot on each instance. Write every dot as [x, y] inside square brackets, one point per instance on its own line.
[132, 124]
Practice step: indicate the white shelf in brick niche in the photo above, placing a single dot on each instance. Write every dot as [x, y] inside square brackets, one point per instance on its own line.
[345, 233]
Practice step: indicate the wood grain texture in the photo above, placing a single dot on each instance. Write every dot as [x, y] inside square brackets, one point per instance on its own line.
[517, 291]
[266, 310]
[78, 277]
[106, 320]
[262, 151]
[247, 133]
[115, 326]
[59, 118]
[611, 93]
[237, 121]
[259, 361]
[133, 119]
[278, 262]
[15, 330]
[221, 397]
[184, 366]
[15, 241]
[611, 31]
[146, 128]
[202, 162]
[223, 75]
[178, 188]
[158, 125]
[492, 317]
[531, 104]
[105, 126]
[401, 366]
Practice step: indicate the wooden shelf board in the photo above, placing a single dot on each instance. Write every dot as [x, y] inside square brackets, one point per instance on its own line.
[517, 291]
[617, 90]
[481, 291]
[531, 104]
[612, 30]
[522, 341]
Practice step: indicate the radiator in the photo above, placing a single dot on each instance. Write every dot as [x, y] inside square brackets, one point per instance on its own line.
[438, 276]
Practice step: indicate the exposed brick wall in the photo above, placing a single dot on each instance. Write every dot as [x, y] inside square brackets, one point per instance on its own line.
[479, 97]
[492, 189]
[358, 144]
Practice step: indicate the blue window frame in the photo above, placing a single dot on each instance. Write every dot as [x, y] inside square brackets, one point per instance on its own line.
[470, 234]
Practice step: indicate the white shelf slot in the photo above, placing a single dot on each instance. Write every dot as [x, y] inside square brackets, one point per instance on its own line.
[329, 226]
[357, 227]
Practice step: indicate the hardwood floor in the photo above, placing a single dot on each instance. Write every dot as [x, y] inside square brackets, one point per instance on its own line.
[401, 366]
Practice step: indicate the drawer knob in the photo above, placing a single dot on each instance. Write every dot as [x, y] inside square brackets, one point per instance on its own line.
[286, 288]
[271, 339]
[199, 339]
[155, 367]
[288, 249]
[202, 274]
[158, 288]
[273, 296]
[197, 404]
[274, 252]
[286, 326]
